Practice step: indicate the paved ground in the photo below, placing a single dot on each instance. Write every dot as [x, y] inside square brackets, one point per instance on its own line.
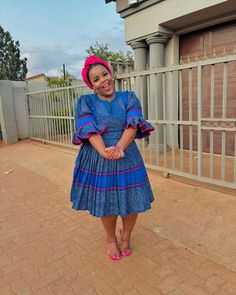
[47, 248]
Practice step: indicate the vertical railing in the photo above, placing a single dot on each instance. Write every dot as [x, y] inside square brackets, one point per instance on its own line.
[181, 153]
[212, 114]
[224, 117]
[198, 135]
[199, 118]
[51, 118]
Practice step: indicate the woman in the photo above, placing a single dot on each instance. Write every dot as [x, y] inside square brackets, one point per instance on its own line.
[109, 176]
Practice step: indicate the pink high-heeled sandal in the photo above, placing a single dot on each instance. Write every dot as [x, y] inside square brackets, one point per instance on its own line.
[113, 257]
[125, 252]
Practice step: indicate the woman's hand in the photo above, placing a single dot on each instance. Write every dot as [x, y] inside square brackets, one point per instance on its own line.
[114, 153]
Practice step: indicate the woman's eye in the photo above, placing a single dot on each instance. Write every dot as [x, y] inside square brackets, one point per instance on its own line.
[105, 74]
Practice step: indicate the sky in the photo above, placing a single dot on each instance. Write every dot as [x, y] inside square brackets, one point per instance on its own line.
[56, 32]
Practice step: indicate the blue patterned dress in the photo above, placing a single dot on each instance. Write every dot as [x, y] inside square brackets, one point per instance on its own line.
[102, 186]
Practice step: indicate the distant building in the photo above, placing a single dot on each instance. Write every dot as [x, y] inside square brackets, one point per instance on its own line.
[38, 78]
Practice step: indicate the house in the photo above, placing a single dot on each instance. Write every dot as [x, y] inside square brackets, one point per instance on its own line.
[165, 33]
[38, 78]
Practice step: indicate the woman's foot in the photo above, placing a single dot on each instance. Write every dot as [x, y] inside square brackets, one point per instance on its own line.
[125, 244]
[113, 249]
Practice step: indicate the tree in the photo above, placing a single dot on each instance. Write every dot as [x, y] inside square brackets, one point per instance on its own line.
[60, 81]
[102, 51]
[12, 67]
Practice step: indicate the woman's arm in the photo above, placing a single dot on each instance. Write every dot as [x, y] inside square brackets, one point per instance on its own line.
[98, 143]
[116, 152]
[127, 138]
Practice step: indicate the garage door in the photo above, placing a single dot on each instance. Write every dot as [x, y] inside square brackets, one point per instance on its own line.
[209, 43]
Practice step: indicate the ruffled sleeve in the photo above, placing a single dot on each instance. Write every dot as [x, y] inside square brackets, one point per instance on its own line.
[135, 117]
[85, 123]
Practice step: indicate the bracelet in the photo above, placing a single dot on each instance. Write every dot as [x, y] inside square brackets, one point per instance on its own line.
[120, 149]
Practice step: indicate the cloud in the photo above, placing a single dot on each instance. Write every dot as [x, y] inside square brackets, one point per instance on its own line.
[115, 41]
[49, 58]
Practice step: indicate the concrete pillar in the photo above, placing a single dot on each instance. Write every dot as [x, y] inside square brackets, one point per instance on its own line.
[156, 60]
[172, 92]
[7, 113]
[13, 111]
[140, 63]
[21, 108]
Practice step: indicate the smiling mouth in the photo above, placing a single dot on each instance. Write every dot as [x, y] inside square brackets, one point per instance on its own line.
[107, 85]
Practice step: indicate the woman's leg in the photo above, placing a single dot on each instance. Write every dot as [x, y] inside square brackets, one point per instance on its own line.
[109, 223]
[128, 225]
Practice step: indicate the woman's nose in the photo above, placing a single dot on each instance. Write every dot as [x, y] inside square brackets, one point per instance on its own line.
[103, 78]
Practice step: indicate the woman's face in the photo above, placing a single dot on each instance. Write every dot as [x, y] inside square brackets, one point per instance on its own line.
[101, 81]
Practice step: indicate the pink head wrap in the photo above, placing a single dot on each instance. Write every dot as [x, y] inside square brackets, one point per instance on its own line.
[91, 60]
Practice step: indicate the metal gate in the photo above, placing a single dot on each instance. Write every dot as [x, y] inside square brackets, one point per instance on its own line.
[51, 114]
[184, 140]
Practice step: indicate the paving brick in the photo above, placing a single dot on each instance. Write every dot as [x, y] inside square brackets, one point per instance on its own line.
[63, 245]
[30, 273]
[186, 263]
[20, 286]
[223, 292]
[45, 280]
[144, 288]
[44, 291]
[73, 260]
[163, 245]
[84, 284]
[191, 278]
[206, 269]
[110, 276]
[60, 288]
[226, 274]
[103, 288]
[57, 255]
[9, 277]
[170, 267]
[51, 267]
[48, 249]
[38, 260]
[189, 289]
[132, 291]
[69, 274]
[23, 253]
[93, 256]
[177, 292]
[230, 288]
[197, 259]
[214, 283]
[4, 260]
[76, 250]
[170, 283]
[15, 266]
[125, 284]
[163, 257]
[7, 290]
[43, 248]
[152, 278]
[89, 291]
[148, 263]
[125, 267]
[86, 269]
[183, 252]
